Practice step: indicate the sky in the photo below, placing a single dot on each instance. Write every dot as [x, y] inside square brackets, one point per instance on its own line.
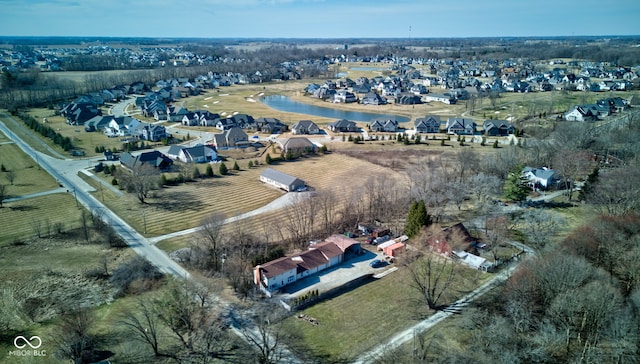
[318, 18]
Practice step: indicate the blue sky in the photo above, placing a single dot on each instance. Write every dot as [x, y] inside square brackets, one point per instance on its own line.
[318, 18]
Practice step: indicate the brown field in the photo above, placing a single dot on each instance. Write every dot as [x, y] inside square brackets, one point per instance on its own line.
[183, 206]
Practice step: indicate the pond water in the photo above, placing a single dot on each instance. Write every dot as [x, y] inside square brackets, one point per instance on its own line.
[284, 103]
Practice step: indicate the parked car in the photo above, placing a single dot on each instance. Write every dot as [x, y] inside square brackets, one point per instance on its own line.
[377, 263]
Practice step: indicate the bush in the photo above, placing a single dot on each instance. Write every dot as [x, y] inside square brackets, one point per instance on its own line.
[223, 169]
[236, 167]
[210, 171]
[136, 272]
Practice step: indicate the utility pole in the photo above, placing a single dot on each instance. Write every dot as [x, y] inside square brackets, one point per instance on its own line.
[76, 197]
[144, 220]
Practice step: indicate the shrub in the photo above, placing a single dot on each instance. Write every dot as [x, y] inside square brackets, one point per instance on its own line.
[210, 171]
[137, 272]
[236, 167]
[223, 169]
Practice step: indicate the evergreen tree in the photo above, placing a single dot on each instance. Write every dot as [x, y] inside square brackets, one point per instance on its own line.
[196, 173]
[515, 188]
[268, 159]
[236, 167]
[417, 218]
[495, 144]
[210, 171]
[223, 169]
[587, 188]
[250, 165]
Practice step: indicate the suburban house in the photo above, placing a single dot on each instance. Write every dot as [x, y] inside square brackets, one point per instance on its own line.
[122, 126]
[497, 128]
[271, 126]
[344, 96]
[373, 98]
[297, 145]
[278, 273]
[305, 127]
[176, 113]
[427, 124]
[225, 124]
[444, 98]
[230, 138]
[153, 132]
[540, 177]
[389, 125]
[343, 126]
[153, 158]
[97, 123]
[579, 113]
[281, 180]
[78, 113]
[461, 126]
[197, 154]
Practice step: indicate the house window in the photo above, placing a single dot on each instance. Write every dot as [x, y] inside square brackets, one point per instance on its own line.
[290, 279]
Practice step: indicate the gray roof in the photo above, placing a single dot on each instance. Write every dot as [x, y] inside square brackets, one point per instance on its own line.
[280, 177]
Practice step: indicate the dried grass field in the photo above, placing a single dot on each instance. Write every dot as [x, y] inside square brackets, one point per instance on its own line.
[184, 206]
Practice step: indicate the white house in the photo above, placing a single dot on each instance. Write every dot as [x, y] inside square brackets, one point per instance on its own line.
[281, 180]
[543, 177]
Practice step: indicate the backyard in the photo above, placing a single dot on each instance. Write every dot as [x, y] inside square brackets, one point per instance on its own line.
[369, 315]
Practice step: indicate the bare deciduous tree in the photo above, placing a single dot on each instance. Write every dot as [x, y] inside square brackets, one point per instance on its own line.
[539, 226]
[3, 194]
[431, 275]
[267, 334]
[74, 342]
[299, 221]
[141, 180]
[10, 176]
[466, 162]
[614, 193]
[571, 164]
[144, 325]
[208, 246]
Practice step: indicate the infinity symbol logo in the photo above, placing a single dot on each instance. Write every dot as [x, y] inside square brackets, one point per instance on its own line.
[27, 342]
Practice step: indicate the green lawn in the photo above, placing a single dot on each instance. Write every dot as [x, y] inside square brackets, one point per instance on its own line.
[367, 316]
[20, 218]
[29, 178]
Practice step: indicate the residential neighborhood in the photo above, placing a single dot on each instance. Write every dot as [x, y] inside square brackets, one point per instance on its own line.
[277, 200]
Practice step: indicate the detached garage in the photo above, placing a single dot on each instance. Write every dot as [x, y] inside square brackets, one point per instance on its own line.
[281, 180]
